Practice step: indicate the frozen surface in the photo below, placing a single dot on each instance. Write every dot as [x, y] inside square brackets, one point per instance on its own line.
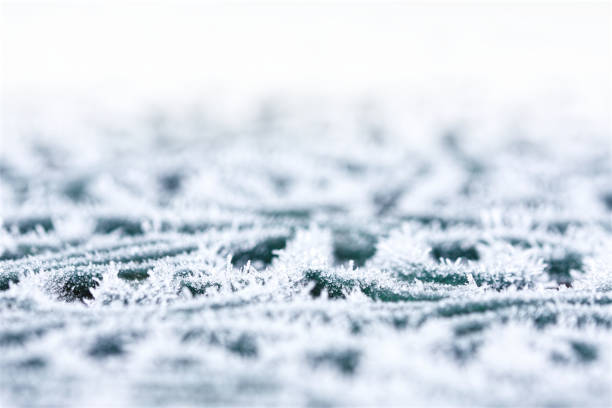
[306, 253]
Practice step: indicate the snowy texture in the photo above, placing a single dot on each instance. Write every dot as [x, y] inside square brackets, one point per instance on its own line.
[304, 253]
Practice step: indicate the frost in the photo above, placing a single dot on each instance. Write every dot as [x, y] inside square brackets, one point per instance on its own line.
[295, 263]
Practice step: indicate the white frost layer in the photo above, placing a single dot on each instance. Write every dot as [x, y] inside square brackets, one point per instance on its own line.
[302, 253]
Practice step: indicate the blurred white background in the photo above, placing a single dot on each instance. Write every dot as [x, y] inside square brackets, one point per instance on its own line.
[136, 49]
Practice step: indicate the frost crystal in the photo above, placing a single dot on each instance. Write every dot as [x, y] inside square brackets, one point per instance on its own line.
[291, 263]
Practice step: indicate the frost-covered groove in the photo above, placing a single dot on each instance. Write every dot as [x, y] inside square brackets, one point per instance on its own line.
[306, 260]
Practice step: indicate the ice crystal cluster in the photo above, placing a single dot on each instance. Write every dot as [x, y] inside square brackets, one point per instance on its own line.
[306, 254]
